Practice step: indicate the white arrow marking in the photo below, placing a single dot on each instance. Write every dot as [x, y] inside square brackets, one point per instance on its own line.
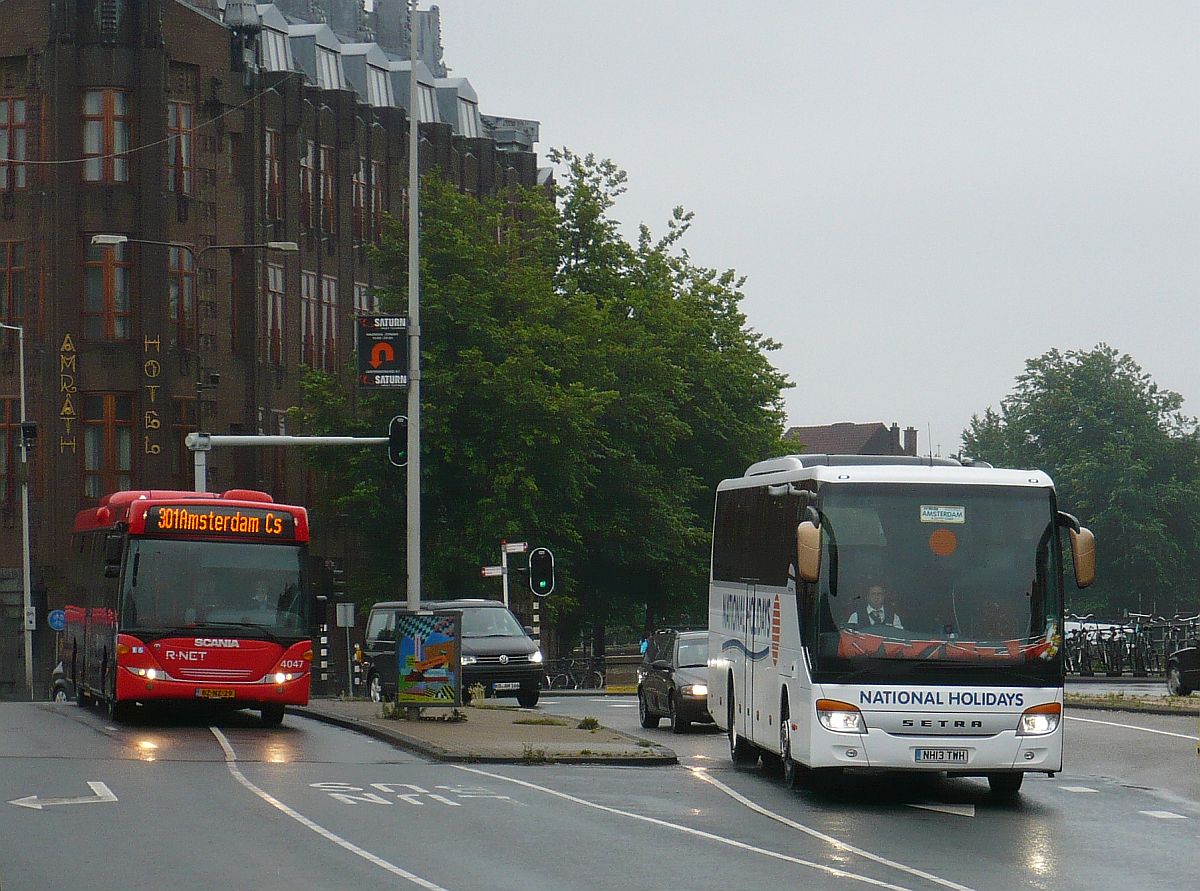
[961, 810]
[101, 793]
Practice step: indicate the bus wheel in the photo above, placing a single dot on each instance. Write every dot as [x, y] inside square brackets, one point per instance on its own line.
[272, 715]
[118, 712]
[1005, 786]
[790, 771]
[81, 698]
[740, 749]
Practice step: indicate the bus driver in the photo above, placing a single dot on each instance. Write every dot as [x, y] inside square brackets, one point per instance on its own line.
[878, 611]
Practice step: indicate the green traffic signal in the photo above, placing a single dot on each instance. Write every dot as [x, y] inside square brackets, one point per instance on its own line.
[398, 441]
[541, 571]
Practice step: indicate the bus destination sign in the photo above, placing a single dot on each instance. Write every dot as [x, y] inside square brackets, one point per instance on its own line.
[235, 522]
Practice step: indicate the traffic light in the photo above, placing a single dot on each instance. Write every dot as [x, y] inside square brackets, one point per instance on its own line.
[398, 441]
[541, 571]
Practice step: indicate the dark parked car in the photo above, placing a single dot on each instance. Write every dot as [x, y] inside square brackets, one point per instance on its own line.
[1183, 671]
[497, 653]
[61, 688]
[673, 679]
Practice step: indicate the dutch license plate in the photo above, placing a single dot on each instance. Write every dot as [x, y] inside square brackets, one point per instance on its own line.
[214, 693]
[941, 756]
[507, 685]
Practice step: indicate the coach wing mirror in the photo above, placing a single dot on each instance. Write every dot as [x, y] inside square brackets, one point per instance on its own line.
[808, 547]
[1083, 549]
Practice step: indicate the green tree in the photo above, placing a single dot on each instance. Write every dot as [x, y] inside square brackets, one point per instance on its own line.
[578, 390]
[1124, 458]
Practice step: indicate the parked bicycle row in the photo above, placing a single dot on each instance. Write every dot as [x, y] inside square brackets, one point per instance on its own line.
[575, 673]
[1138, 645]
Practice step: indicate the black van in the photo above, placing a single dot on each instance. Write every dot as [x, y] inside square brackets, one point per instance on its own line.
[496, 651]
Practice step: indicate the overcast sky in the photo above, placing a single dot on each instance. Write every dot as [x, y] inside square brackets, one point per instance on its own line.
[922, 195]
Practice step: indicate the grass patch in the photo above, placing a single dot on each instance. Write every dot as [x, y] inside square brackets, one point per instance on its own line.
[543, 722]
[530, 755]
[589, 723]
[645, 743]
[1183, 704]
[620, 688]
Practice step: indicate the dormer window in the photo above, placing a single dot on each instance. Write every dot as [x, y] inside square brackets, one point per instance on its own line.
[468, 118]
[328, 71]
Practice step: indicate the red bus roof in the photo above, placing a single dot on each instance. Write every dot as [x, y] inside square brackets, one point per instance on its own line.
[131, 509]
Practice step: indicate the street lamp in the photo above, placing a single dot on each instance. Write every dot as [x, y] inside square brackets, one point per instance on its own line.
[288, 247]
[26, 443]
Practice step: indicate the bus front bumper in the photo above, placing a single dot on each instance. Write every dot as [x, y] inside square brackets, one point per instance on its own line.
[131, 687]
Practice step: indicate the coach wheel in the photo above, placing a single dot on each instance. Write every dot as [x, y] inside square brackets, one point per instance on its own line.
[1175, 684]
[791, 772]
[272, 715]
[1005, 785]
[740, 750]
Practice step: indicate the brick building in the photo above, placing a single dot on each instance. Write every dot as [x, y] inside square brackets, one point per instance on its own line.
[205, 124]
[846, 438]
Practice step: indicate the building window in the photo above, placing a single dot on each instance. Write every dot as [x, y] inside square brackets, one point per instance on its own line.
[366, 302]
[273, 50]
[272, 175]
[426, 104]
[468, 119]
[273, 351]
[179, 148]
[12, 281]
[378, 198]
[308, 318]
[186, 421]
[12, 143]
[106, 275]
[181, 294]
[328, 322]
[106, 136]
[107, 443]
[358, 200]
[307, 164]
[328, 176]
[329, 73]
[378, 92]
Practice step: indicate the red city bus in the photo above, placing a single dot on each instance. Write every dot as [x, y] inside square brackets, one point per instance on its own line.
[190, 597]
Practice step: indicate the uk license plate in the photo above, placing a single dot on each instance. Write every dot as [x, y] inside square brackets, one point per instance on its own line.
[941, 756]
[214, 693]
[507, 685]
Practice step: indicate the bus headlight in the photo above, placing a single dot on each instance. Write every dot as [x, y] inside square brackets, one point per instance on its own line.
[1040, 720]
[694, 690]
[840, 717]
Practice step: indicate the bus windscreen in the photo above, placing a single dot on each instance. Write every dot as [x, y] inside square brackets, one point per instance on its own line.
[173, 584]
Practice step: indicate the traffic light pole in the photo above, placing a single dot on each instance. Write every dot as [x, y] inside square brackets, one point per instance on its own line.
[30, 620]
[413, 483]
[202, 443]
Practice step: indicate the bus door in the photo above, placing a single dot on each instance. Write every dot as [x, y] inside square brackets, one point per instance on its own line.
[745, 700]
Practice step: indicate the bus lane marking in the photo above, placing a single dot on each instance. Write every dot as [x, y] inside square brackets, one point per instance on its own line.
[698, 833]
[1134, 727]
[231, 763]
[100, 793]
[702, 774]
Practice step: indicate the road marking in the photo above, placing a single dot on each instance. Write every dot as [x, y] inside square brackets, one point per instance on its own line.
[101, 793]
[959, 810]
[1134, 727]
[688, 830]
[1163, 815]
[702, 774]
[1078, 789]
[231, 763]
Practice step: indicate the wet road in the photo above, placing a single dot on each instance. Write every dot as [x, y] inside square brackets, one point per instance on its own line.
[186, 804]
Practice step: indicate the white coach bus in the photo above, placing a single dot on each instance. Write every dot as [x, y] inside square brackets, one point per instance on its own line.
[891, 612]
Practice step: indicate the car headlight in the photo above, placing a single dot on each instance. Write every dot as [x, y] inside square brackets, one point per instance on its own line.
[1040, 720]
[536, 656]
[468, 660]
[840, 717]
[694, 689]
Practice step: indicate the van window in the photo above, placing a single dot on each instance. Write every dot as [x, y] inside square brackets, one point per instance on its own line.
[382, 625]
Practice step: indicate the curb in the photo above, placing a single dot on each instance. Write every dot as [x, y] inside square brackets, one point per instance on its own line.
[1138, 706]
[662, 755]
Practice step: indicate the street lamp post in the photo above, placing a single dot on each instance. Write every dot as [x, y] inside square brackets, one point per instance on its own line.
[26, 592]
[202, 383]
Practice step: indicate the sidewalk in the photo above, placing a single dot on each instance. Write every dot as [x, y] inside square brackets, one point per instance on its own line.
[490, 734]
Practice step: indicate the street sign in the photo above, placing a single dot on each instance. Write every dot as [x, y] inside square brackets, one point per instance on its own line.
[31, 618]
[382, 352]
[57, 619]
[345, 615]
[489, 571]
[516, 547]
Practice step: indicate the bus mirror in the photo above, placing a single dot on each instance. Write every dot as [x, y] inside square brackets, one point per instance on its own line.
[112, 570]
[808, 551]
[112, 552]
[1083, 552]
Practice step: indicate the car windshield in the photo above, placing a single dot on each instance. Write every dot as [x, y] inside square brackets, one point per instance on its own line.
[692, 652]
[490, 621]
